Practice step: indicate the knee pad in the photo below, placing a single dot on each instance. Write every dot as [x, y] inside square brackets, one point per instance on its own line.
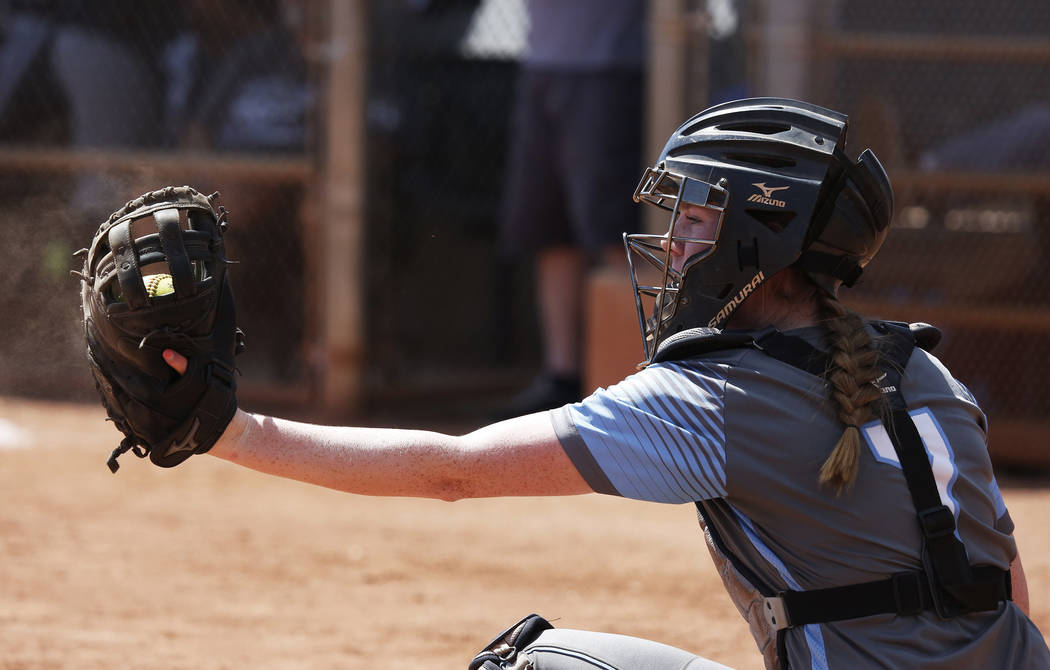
[502, 652]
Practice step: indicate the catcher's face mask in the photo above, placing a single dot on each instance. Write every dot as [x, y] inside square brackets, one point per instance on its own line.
[698, 210]
[786, 194]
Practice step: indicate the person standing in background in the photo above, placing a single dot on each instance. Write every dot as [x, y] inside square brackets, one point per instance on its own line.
[575, 148]
[102, 57]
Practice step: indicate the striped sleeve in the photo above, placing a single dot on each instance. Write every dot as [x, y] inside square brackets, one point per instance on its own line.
[1003, 522]
[659, 435]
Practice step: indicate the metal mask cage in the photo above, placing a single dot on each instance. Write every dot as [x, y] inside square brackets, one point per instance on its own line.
[668, 190]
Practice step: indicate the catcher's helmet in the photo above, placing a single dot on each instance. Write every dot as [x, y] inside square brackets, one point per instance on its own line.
[776, 176]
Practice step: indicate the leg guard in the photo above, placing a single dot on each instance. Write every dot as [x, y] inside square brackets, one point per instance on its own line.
[534, 644]
[502, 652]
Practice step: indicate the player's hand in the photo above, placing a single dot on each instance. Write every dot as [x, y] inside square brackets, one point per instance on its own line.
[237, 425]
[176, 360]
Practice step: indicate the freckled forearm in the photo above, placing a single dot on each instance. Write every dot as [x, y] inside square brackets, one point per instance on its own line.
[518, 457]
[367, 461]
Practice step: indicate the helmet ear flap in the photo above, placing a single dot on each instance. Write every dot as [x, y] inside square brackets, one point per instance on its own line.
[874, 186]
[851, 224]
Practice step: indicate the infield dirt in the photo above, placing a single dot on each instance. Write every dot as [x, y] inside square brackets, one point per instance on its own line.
[212, 566]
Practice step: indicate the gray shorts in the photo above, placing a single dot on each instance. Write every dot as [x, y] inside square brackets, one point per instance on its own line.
[566, 649]
[575, 159]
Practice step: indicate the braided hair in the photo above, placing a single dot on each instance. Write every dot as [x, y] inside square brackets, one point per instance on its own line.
[851, 374]
[852, 362]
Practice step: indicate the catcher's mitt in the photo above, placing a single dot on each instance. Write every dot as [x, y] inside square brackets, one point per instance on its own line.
[128, 322]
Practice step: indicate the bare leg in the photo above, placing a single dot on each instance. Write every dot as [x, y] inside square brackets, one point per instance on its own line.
[560, 276]
[559, 287]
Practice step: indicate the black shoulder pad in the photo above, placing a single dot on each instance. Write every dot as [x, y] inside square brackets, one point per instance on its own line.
[699, 341]
[921, 335]
[926, 336]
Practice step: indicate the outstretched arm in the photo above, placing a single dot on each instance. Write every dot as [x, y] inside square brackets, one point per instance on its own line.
[1020, 585]
[518, 457]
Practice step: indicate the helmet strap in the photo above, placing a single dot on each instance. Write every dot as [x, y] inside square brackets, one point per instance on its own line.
[840, 267]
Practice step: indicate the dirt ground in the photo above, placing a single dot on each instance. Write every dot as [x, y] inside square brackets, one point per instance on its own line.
[211, 566]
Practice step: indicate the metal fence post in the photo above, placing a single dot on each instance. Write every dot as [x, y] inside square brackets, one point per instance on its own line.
[665, 84]
[341, 230]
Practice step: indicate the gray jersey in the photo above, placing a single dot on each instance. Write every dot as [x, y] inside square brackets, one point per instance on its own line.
[586, 34]
[746, 434]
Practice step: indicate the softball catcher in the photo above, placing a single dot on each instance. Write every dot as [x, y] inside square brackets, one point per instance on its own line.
[840, 472]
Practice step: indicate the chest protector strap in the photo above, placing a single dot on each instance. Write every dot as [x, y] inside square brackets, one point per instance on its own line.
[947, 584]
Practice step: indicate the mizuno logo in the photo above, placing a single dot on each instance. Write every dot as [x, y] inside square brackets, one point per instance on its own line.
[767, 191]
[766, 197]
[884, 389]
[188, 443]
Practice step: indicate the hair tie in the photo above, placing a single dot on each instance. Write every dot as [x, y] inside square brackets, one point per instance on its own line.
[853, 425]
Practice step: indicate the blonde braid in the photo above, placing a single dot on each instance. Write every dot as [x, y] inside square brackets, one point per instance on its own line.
[852, 369]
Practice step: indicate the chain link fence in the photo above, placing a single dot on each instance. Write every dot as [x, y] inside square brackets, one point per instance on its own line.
[952, 96]
[447, 316]
[102, 100]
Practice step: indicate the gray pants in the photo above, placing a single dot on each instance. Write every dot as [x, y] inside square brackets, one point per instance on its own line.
[566, 649]
[113, 101]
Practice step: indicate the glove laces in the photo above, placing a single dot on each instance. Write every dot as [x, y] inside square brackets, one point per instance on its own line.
[127, 444]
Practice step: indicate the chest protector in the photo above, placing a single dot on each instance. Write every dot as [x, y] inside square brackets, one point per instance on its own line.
[947, 584]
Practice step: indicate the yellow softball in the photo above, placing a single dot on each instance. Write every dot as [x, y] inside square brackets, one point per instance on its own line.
[158, 285]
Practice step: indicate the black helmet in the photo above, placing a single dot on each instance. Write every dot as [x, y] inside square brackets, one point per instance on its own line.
[776, 173]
